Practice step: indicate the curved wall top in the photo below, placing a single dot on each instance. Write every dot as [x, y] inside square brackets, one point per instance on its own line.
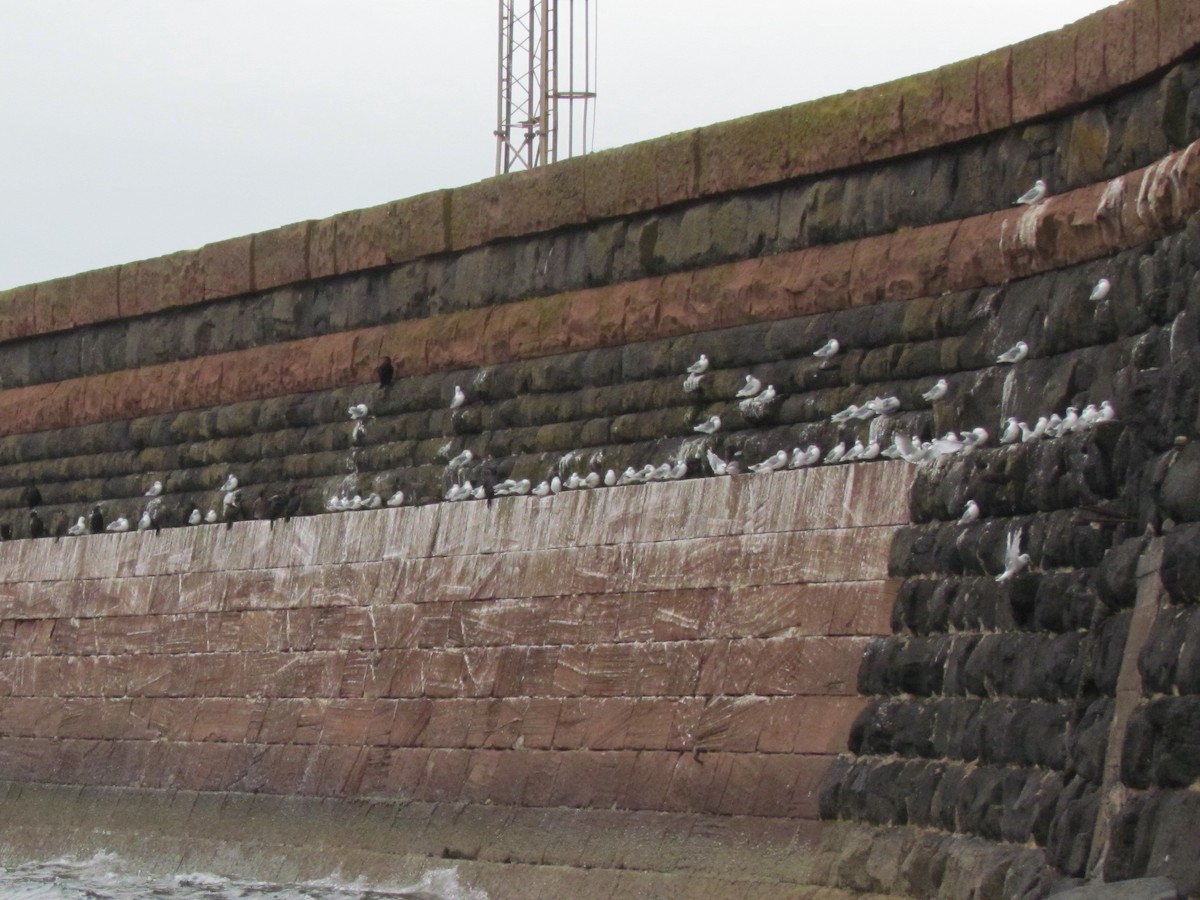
[1112, 48]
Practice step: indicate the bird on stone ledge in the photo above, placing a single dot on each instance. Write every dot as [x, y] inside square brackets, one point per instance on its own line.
[385, 372]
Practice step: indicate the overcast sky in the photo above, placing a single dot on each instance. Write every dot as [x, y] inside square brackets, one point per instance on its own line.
[133, 128]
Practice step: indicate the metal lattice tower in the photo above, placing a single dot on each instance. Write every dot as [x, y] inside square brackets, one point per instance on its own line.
[541, 77]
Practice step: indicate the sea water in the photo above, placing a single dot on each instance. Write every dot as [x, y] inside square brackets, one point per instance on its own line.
[107, 877]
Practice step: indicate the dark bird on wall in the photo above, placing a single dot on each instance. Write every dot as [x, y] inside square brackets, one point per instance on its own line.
[31, 497]
[37, 528]
[5, 532]
[60, 526]
[386, 372]
[291, 505]
[259, 508]
[96, 521]
[487, 478]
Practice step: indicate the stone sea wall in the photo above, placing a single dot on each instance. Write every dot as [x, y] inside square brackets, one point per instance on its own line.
[820, 657]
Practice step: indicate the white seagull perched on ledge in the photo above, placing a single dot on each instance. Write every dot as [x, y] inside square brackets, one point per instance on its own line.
[230, 484]
[771, 463]
[827, 350]
[155, 490]
[459, 398]
[938, 391]
[1100, 291]
[357, 411]
[1014, 354]
[699, 367]
[121, 524]
[750, 388]
[1034, 194]
[711, 425]
[969, 514]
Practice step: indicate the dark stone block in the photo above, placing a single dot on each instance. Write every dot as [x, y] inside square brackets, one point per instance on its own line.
[1169, 728]
[1159, 659]
[1086, 742]
[1180, 493]
[1130, 832]
[840, 771]
[1105, 649]
[1181, 564]
[1116, 576]
[957, 731]
[1070, 835]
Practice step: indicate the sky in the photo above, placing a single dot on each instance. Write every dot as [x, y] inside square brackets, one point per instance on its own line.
[134, 128]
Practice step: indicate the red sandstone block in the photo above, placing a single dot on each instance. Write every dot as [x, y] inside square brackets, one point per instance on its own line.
[1120, 60]
[322, 261]
[731, 724]
[869, 270]
[226, 267]
[410, 721]
[806, 794]
[445, 772]
[881, 128]
[675, 170]
[672, 669]
[1146, 36]
[691, 782]
[744, 152]
[649, 781]
[917, 261]
[593, 724]
[825, 134]
[510, 777]
[497, 723]
[734, 783]
[161, 283]
[358, 722]
[807, 666]
[596, 317]
[475, 213]
[650, 724]
[1178, 31]
[280, 256]
[975, 258]
[418, 226]
[226, 719]
[11, 301]
[540, 722]
[994, 90]
[1029, 73]
[1090, 75]
[829, 289]
[358, 239]
[542, 767]
[453, 339]
[620, 181]
[480, 784]
[51, 301]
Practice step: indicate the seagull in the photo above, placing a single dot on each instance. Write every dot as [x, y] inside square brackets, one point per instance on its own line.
[711, 425]
[884, 406]
[1015, 353]
[397, 499]
[1088, 416]
[757, 405]
[592, 480]
[947, 444]
[573, 482]
[1032, 434]
[938, 391]
[803, 458]
[771, 463]
[121, 524]
[195, 517]
[828, 349]
[358, 411]
[1100, 291]
[521, 487]
[836, 454]
[1014, 559]
[1033, 195]
[556, 485]
[210, 516]
[610, 478]
[385, 372]
[80, 527]
[692, 383]
[461, 460]
[718, 465]
[662, 473]
[1012, 431]
[230, 484]
[358, 432]
[976, 437]
[750, 388]
[678, 471]
[1070, 421]
[1107, 413]
[542, 490]
[1052, 425]
[845, 415]
[231, 501]
[155, 490]
[854, 452]
[459, 398]
[871, 451]
[699, 367]
[969, 514]
[906, 449]
[146, 522]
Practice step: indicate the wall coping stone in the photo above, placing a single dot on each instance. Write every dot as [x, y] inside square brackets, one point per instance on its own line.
[1041, 76]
